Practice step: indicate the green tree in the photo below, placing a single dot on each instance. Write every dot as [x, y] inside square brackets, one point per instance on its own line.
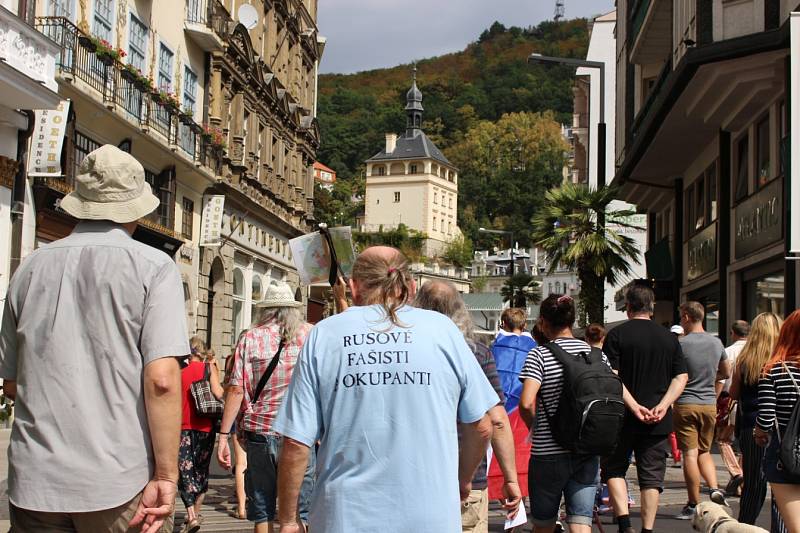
[568, 228]
[521, 290]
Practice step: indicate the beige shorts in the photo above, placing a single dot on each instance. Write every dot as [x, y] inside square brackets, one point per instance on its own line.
[475, 512]
[110, 520]
[694, 426]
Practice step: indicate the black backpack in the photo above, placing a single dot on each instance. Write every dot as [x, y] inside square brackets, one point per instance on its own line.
[590, 411]
[790, 442]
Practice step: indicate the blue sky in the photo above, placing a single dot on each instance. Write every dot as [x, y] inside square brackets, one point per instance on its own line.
[369, 34]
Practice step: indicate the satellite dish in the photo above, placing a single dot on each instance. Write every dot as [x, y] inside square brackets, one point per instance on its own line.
[248, 16]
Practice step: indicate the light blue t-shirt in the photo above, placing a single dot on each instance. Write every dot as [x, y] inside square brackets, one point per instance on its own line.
[384, 404]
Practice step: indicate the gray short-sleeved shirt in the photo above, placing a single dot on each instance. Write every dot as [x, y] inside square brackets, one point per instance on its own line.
[83, 316]
[703, 352]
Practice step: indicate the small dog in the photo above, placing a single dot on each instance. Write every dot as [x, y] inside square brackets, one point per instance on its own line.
[710, 517]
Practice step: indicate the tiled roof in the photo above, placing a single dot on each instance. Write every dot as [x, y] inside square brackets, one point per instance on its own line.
[483, 301]
[418, 146]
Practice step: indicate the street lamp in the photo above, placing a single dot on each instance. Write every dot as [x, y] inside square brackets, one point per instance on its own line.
[601, 125]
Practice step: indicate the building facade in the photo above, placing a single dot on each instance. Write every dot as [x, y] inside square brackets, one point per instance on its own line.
[213, 98]
[324, 176]
[702, 145]
[27, 83]
[411, 182]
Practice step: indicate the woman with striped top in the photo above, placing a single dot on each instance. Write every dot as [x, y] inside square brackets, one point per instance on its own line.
[777, 398]
[744, 388]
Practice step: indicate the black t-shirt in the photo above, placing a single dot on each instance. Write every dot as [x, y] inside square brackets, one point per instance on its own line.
[647, 357]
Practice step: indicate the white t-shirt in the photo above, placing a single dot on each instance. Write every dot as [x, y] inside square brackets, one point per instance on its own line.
[733, 352]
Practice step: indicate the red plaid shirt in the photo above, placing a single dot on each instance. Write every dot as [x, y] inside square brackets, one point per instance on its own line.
[255, 350]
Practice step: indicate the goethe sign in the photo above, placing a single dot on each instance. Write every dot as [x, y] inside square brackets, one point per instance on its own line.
[44, 158]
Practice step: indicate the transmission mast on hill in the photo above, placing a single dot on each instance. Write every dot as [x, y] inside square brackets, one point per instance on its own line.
[559, 14]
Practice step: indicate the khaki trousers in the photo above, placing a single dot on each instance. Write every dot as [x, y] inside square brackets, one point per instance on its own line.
[107, 521]
[475, 512]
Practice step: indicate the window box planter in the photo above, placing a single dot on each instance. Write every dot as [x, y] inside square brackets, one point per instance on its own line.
[87, 42]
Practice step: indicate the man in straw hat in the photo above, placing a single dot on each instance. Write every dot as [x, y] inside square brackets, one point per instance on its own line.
[381, 386]
[264, 362]
[92, 328]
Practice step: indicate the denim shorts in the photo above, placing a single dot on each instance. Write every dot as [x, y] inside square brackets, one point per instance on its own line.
[576, 476]
[261, 478]
[773, 468]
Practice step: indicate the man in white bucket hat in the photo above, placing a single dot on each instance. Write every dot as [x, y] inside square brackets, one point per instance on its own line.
[264, 362]
[92, 326]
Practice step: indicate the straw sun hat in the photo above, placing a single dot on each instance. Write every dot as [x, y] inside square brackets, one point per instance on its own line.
[110, 185]
[279, 294]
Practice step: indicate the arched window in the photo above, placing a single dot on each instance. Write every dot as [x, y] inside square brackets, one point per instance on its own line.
[549, 289]
[441, 226]
[238, 303]
[434, 223]
[449, 228]
[257, 296]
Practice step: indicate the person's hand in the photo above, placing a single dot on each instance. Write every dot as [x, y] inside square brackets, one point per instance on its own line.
[156, 505]
[761, 437]
[513, 497]
[291, 527]
[340, 294]
[642, 413]
[658, 413]
[224, 453]
[465, 489]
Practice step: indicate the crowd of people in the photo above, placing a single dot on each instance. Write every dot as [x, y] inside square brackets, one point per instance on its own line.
[377, 418]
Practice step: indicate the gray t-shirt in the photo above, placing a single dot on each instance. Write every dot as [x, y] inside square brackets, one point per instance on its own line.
[703, 353]
[83, 317]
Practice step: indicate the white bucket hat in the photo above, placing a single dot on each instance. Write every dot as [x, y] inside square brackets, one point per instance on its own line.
[279, 294]
[110, 185]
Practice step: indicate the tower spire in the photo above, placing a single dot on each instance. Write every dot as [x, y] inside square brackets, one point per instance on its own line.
[413, 106]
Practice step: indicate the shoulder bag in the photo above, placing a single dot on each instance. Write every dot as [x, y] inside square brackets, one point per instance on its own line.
[205, 403]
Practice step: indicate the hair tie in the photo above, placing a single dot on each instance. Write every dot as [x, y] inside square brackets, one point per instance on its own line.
[564, 298]
[391, 271]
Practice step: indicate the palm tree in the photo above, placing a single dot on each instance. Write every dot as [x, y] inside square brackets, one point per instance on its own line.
[569, 229]
[521, 290]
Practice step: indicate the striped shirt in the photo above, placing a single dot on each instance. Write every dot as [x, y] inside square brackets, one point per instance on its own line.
[777, 397]
[543, 367]
[253, 354]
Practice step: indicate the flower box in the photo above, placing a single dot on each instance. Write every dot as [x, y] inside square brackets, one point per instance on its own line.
[87, 42]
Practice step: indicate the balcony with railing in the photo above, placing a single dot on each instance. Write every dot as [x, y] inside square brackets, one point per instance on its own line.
[129, 93]
[206, 23]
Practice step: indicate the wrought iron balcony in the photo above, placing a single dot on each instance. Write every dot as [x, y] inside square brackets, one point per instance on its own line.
[206, 24]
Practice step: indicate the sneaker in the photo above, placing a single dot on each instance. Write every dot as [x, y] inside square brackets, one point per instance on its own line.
[733, 488]
[686, 513]
[718, 497]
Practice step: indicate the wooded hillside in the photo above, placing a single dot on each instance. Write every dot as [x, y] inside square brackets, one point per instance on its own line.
[462, 92]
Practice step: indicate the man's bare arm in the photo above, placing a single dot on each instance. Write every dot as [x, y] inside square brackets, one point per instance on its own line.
[474, 440]
[674, 392]
[162, 397]
[503, 448]
[292, 466]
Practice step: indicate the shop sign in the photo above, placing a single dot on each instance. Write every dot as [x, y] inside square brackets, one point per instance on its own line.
[702, 253]
[211, 225]
[44, 158]
[759, 220]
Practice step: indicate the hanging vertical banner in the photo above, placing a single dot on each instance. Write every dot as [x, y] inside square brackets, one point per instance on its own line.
[211, 225]
[44, 156]
[793, 224]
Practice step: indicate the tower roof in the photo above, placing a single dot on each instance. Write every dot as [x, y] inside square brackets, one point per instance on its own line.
[414, 95]
[416, 147]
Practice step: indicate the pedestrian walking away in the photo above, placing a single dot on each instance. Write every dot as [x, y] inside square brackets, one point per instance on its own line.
[651, 365]
[695, 411]
[92, 331]
[778, 397]
[381, 387]
[443, 297]
[240, 456]
[726, 407]
[264, 362]
[744, 389]
[197, 433]
[555, 470]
